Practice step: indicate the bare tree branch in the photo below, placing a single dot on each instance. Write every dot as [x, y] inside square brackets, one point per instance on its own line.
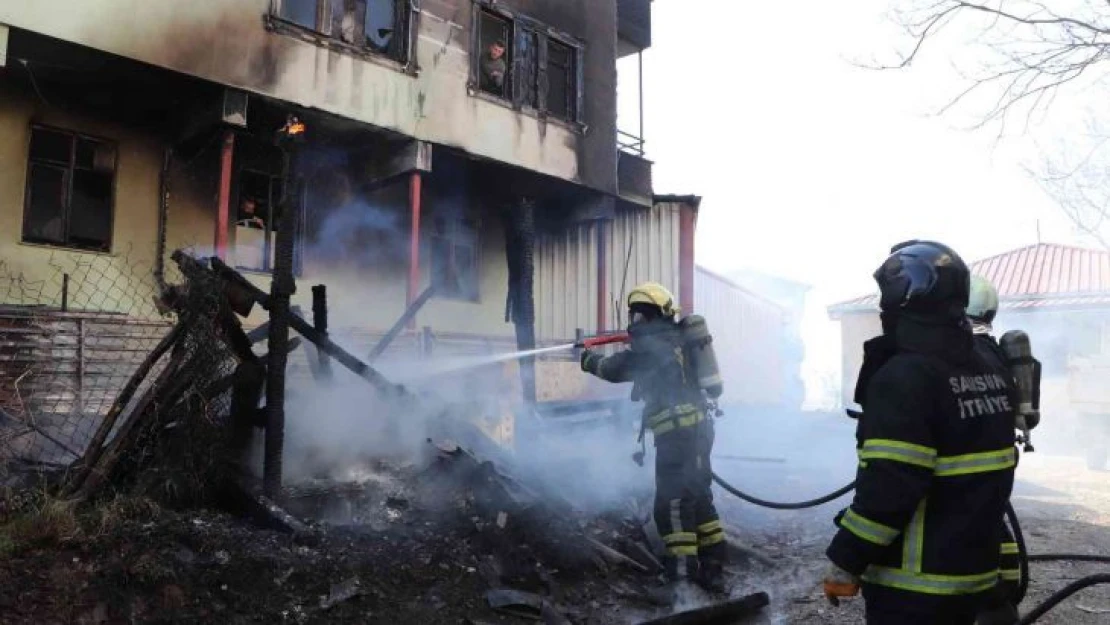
[1030, 52]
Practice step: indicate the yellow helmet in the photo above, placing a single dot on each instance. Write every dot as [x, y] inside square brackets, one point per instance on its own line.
[654, 294]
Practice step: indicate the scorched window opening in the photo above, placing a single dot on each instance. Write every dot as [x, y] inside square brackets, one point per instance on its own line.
[454, 256]
[257, 218]
[377, 26]
[526, 64]
[70, 190]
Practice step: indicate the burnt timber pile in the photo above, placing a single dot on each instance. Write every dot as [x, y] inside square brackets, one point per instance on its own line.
[455, 532]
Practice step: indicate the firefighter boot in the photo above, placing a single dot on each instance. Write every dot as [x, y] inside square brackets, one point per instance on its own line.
[711, 577]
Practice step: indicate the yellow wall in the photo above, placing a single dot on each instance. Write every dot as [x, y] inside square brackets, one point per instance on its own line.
[122, 280]
[118, 281]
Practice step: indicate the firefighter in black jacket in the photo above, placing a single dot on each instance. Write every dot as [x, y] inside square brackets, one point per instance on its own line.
[981, 311]
[936, 454]
[675, 412]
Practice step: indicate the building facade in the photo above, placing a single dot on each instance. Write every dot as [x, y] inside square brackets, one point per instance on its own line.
[439, 135]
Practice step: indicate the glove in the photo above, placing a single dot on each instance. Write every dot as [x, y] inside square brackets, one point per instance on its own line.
[839, 583]
[587, 357]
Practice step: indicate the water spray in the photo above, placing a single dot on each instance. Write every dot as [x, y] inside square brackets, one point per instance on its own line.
[472, 362]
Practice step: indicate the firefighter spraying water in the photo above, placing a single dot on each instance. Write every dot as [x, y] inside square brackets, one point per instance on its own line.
[673, 369]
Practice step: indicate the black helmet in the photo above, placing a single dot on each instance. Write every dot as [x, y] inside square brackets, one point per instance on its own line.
[925, 278]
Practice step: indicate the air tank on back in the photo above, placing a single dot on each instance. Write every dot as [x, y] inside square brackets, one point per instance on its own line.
[699, 347]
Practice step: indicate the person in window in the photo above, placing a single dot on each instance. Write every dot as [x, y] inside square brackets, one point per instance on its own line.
[494, 68]
[248, 218]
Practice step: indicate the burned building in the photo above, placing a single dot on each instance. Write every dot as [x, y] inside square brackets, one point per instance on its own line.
[470, 146]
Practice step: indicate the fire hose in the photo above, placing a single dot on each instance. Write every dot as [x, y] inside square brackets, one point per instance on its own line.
[1024, 556]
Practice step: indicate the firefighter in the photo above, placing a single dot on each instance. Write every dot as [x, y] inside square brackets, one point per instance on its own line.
[936, 454]
[981, 310]
[676, 413]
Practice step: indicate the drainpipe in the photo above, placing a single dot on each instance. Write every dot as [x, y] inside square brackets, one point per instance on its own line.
[223, 210]
[602, 277]
[414, 244]
[687, 220]
[163, 217]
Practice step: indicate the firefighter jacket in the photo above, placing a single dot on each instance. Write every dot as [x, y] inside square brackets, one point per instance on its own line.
[657, 365]
[936, 467]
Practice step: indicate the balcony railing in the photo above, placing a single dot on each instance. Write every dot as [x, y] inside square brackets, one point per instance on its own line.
[628, 142]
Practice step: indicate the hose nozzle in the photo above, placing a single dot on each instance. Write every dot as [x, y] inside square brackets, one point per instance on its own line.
[602, 339]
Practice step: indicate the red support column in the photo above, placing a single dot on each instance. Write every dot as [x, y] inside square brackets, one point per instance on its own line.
[414, 242]
[223, 207]
[687, 220]
[602, 278]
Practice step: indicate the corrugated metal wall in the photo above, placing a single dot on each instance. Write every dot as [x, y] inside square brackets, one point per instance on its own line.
[566, 282]
[640, 245]
[652, 238]
[748, 334]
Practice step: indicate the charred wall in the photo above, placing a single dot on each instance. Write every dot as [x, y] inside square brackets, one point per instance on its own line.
[595, 23]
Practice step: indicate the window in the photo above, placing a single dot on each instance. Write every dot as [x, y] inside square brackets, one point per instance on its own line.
[378, 26]
[70, 188]
[454, 257]
[560, 80]
[257, 220]
[521, 61]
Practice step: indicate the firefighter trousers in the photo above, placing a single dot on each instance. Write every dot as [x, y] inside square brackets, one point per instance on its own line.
[684, 512]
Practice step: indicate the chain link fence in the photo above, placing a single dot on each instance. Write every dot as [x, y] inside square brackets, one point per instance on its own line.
[96, 365]
[71, 335]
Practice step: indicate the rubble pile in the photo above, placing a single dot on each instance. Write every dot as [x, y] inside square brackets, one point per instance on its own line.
[455, 536]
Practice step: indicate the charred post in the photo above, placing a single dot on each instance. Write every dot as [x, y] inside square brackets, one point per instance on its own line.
[520, 233]
[320, 322]
[282, 288]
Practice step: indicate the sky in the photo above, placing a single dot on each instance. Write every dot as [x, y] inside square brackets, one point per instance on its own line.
[811, 167]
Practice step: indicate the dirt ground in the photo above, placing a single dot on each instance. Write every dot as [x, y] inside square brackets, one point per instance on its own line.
[413, 554]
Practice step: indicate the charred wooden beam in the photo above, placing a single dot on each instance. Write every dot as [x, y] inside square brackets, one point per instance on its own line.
[98, 473]
[403, 321]
[93, 450]
[305, 329]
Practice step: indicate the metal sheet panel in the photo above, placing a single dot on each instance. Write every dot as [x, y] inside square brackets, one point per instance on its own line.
[566, 282]
[749, 334]
[642, 245]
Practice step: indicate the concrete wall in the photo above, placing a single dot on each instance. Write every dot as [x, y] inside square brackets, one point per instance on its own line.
[225, 41]
[855, 328]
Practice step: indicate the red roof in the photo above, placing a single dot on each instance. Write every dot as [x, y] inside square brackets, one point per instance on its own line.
[1044, 275]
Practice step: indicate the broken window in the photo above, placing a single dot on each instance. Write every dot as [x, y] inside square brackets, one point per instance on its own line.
[257, 220]
[560, 80]
[379, 26]
[300, 12]
[494, 35]
[520, 60]
[454, 257]
[70, 189]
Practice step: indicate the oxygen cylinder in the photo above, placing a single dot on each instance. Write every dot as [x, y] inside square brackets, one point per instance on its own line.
[1026, 371]
[699, 348]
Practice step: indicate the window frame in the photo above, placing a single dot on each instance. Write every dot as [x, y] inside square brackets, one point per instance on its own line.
[70, 169]
[544, 34]
[300, 211]
[322, 36]
[455, 236]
